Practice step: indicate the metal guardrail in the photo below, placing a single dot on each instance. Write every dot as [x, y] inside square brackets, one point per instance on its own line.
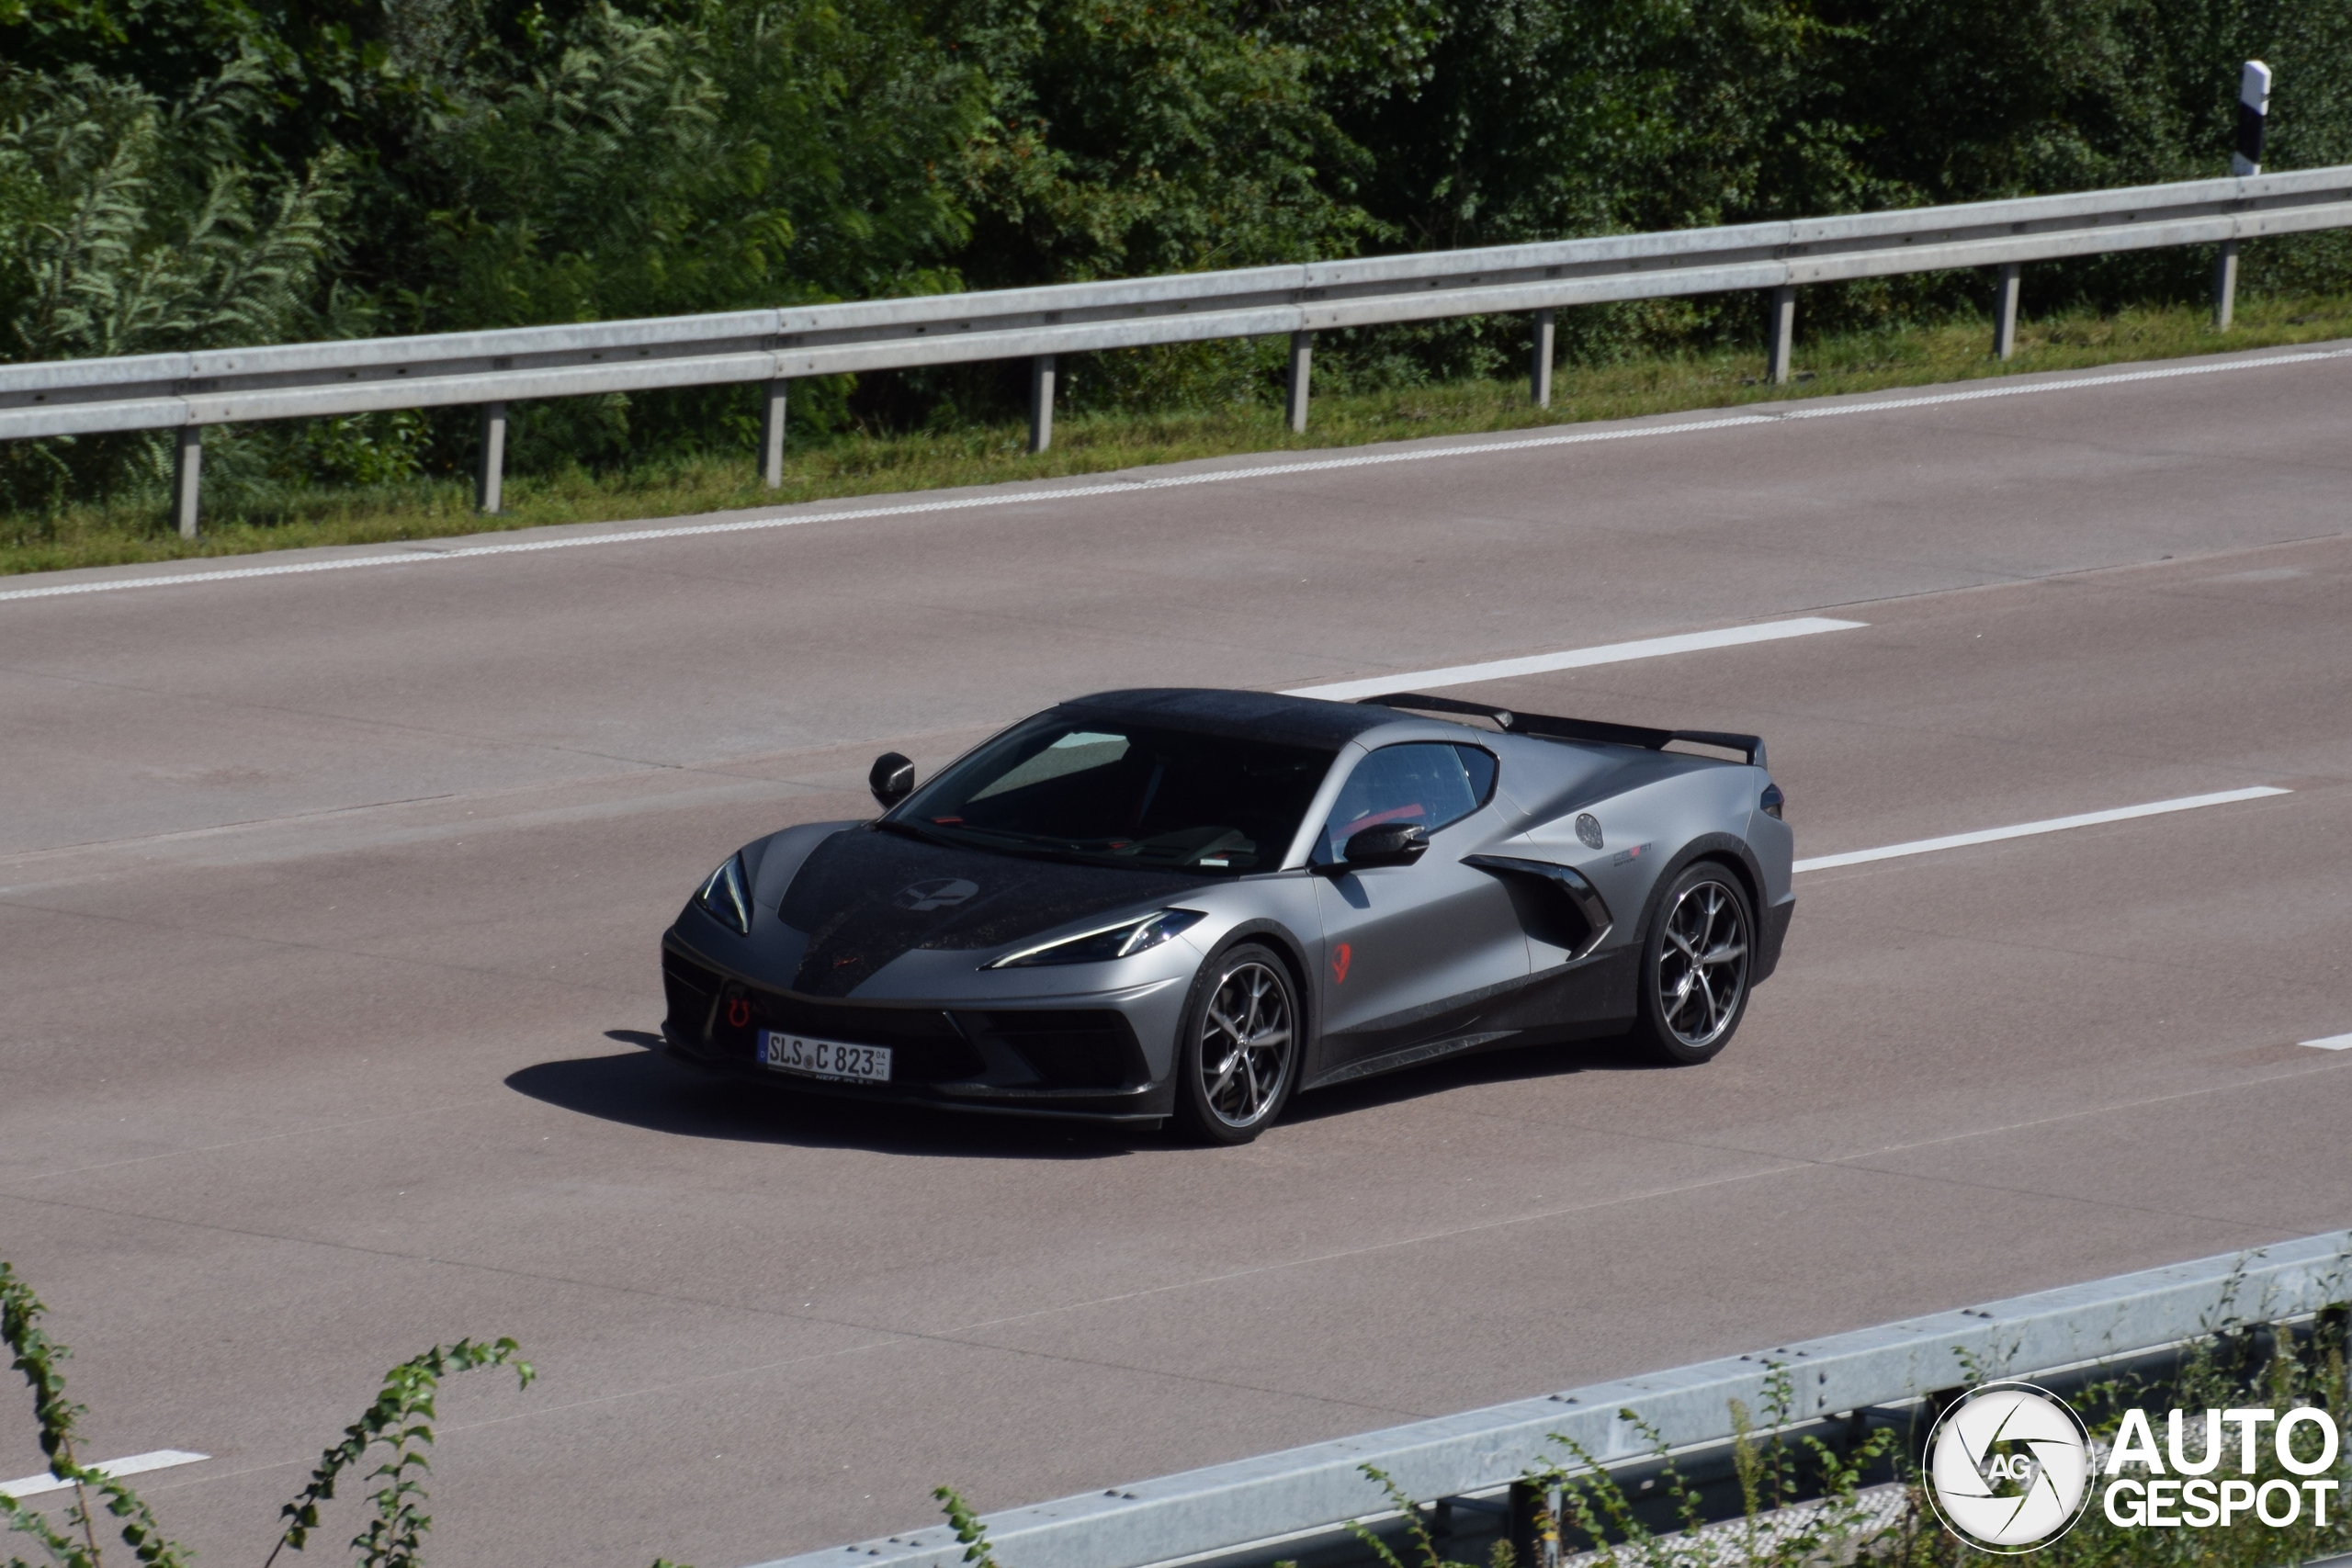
[188, 392]
[1226, 1510]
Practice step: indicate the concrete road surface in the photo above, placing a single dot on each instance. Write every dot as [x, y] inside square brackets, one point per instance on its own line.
[329, 900]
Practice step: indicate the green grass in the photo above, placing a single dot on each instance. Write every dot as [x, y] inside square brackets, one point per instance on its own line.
[135, 529]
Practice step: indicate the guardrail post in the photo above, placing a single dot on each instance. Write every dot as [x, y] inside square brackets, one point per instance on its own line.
[1041, 402]
[1535, 1525]
[2225, 286]
[188, 469]
[1781, 334]
[1539, 384]
[771, 434]
[1302, 368]
[489, 479]
[2005, 313]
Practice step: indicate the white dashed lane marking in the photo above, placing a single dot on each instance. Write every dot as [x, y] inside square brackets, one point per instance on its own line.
[1574, 659]
[137, 1464]
[2029, 830]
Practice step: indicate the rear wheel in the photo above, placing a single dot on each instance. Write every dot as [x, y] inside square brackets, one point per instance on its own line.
[1695, 962]
[1237, 1058]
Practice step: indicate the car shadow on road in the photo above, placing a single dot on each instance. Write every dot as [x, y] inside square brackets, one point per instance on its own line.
[639, 1089]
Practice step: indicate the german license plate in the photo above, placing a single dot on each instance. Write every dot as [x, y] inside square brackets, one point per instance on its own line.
[824, 1058]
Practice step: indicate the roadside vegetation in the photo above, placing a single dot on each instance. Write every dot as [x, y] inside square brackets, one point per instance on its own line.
[191, 174]
[101, 1516]
[1787, 1501]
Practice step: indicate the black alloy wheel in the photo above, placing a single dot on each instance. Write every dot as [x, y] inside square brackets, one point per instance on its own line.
[1237, 1058]
[1695, 962]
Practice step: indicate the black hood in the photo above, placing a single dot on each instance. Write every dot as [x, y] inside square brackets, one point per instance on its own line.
[863, 897]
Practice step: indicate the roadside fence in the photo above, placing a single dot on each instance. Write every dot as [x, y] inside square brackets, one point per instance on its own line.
[1287, 1505]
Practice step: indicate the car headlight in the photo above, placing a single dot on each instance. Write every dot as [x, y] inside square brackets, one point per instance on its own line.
[1122, 941]
[727, 895]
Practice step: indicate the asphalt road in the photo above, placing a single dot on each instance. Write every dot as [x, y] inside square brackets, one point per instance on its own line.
[328, 904]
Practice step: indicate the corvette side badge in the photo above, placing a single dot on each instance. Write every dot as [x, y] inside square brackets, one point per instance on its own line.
[1340, 957]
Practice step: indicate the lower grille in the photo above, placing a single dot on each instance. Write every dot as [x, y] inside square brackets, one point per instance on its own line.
[690, 989]
[1067, 1048]
[925, 1046]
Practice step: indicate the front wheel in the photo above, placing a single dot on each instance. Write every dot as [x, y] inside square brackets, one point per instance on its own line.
[1238, 1055]
[1695, 962]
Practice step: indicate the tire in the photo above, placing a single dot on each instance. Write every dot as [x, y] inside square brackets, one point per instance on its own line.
[1245, 998]
[1696, 959]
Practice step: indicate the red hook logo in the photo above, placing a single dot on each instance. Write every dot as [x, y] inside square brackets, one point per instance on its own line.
[1341, 957]
[738, 1011]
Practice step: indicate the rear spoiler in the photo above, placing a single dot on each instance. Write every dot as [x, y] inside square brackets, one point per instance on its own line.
[1548, 728]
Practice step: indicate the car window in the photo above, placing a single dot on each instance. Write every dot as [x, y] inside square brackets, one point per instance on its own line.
[1420, 785]
[1120, 794]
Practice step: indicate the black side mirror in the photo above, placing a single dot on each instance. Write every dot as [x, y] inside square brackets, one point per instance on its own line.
[1391, 843]
[892, 779]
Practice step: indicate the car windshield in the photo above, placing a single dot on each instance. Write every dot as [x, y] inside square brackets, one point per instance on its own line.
[1119, 793]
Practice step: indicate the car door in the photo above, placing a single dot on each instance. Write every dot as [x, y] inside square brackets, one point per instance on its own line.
[1411, 953]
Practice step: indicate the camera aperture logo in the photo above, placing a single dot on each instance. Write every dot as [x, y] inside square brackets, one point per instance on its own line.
[2009, 1467]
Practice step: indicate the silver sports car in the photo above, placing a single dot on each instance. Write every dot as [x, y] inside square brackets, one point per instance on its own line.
[1195, 904]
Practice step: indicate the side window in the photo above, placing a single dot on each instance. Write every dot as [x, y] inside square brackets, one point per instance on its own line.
[1423, 784]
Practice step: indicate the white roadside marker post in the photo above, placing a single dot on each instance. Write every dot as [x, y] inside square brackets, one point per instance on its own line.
[2253, 114]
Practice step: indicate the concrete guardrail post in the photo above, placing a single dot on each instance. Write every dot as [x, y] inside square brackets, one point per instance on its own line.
[490, 478]
[1302, 368]
[2005, 313]
[1539, 382]
[772, 434]
[2246, 161]
[187, 471]
[1041, 402]
[1781, 331]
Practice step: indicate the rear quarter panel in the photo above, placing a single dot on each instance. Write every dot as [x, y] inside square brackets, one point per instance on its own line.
[1650, 810]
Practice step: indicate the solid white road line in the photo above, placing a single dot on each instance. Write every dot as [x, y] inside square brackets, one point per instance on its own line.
[2028, 829]
[418, 554]
[1574, 659]
[2332, 1042]
[137, 1464]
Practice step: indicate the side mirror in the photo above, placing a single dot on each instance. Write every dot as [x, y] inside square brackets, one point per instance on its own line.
[1391, 843]
[892, 779]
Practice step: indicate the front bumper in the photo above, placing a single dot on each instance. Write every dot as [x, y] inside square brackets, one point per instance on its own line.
[1077, 1062]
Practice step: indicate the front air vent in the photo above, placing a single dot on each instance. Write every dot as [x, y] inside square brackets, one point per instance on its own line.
[1067, 1048]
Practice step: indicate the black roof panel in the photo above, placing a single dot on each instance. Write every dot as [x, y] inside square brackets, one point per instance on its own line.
[1266, 715]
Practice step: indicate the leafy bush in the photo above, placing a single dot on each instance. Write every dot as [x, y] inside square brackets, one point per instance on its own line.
[400, 1422]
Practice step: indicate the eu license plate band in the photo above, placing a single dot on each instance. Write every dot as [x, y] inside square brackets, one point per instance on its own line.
[807, 1058]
